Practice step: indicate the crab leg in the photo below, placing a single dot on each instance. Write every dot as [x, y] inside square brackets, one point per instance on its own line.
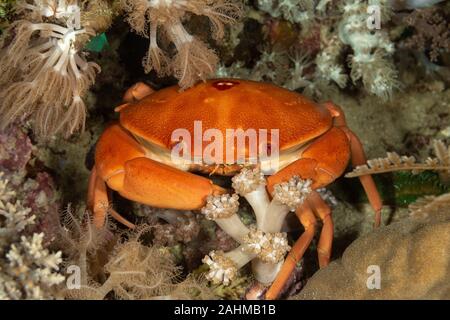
[122, 165]
[308, 220]
[323, 211]
[99, 203]
[159, 185]
[137, 92]
[322, 162]
[358, 158]
[97, 199]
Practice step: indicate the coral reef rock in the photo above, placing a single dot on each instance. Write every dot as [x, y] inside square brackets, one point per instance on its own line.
[413, 256]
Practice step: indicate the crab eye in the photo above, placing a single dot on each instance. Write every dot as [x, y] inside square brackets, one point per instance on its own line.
[224, 85]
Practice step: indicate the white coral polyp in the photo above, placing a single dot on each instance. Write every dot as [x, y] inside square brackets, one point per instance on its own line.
[248, 180]
[222, 270]
[293, 192]
[221, 206]
[269, 247]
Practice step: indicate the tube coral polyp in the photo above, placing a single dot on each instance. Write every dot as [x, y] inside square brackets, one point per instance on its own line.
[269, 247]
[42, 70]
[223, 210]
[263, 243]
[194, 60]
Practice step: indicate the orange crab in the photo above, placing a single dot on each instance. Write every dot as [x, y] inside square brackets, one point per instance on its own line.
[133, 157]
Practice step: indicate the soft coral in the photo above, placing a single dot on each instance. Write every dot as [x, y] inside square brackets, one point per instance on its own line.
[194, 60]
[42, 70]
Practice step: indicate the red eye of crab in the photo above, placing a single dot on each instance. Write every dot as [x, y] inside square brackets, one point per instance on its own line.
[224, 85]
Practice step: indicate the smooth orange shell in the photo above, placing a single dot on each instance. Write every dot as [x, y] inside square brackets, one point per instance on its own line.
[226, 104]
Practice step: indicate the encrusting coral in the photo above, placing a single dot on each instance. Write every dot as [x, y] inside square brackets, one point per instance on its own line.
[408, 259]
[43, 70]
[264, 243]
[427, 205]
[158, 19]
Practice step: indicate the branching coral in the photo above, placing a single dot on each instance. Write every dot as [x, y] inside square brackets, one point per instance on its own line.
[223, 210]
[157, 19]
[28, 270]
[42, 70]
[263, 243]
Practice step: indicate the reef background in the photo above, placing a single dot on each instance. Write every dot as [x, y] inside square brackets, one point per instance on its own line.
[47, 176]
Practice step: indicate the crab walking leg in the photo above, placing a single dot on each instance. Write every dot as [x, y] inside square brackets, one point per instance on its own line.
[121, 163]
[323, 161]
[307, 219]
[99, 204]
[137, 92]
[323, 211]
[266, 240]
[287, 196]
[223, 210]
[358, 158]
[159, 185]
[97, 199]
